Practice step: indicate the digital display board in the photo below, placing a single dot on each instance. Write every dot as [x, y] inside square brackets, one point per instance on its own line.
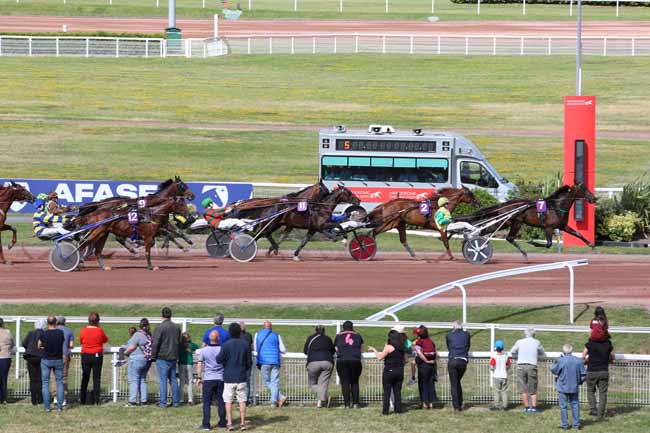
[385, 145]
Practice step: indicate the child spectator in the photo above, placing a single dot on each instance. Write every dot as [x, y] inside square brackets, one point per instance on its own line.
[427, 372]
[599, 325]
[499, 366]
[186, 366]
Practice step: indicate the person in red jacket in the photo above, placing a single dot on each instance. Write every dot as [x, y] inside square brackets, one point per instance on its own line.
[92, 339]
[426, 361]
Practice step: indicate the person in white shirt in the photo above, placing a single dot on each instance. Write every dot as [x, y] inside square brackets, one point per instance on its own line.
[499, 366]
[528, 350]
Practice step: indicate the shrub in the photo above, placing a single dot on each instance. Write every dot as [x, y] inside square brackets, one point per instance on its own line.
[485, 198]
[605, 208]
[620, 228]
[636, 198]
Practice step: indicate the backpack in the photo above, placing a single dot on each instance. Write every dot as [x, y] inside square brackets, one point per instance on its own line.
[147, 347]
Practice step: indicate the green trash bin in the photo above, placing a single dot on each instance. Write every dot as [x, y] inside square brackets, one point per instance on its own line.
[174, 41]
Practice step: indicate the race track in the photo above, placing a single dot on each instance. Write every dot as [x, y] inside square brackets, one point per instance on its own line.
[203, 28]
[322, 277]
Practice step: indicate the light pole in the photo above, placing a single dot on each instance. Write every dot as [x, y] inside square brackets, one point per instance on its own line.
[579, 51]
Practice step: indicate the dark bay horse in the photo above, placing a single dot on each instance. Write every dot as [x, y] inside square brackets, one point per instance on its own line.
[152, 218]
[400, 212]
[557, 216]
[9, 194]
[317, 218]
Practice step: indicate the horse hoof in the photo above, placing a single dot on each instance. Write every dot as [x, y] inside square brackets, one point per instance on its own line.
[155, 268]
[276, 252]
[10, 245]
[296, 258]
[7, 263]
[107, 268]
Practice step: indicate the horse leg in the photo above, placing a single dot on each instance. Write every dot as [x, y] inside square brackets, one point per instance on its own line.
[99, 242]
[445, 241]
[2, 256]
[577, 234]
[304, 242]
[148, 243]
[275, 246]
[548, 233]
[122, 241]
[14, 238]
[512, 234]
[401, 229]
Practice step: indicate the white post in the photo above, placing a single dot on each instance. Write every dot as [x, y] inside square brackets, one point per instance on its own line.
[438, 44]
[146, 47]
[117, 48]
[617, 8]
[464, 293]
[604, 47]
[162, 48]
[157, 3]
[203, 4]
[549, 45]
[188, 54]
[205, 49]
[521, 51]
[248, 46]
[492, 337]
[270, 45]
[18, 339]
[292, 45]
[250, 5]
[30, 46]
[494, 46]
[184, 325]
[433, 6]
[0, 45]
[110, 2]
[386, 6]
[478, 7]
[571, 8]
[295, 5]
[571, 279]
[633, 47]
[356, 44]
[57, 47]
[467, 45]
[383, 44]
[411, 45]
[334, 44]
[313, 45]
[115, 390]
[523, 11]
[215, 25]
[340, 6]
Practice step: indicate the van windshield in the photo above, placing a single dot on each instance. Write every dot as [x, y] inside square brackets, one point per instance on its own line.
[385, 169]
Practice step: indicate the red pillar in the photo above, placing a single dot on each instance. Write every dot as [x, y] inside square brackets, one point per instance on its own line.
[580, 136]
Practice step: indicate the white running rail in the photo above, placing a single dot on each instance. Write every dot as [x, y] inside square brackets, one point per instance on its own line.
[460, 284]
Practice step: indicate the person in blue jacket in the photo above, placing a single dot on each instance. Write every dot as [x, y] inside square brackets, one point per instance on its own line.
[569, 374]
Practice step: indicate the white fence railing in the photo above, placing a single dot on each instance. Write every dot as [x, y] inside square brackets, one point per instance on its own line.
[465, 45]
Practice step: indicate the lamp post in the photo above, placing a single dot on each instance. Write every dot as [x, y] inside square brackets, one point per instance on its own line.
[579, 51]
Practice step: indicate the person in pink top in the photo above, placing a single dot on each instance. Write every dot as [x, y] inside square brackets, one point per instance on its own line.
[92, 339]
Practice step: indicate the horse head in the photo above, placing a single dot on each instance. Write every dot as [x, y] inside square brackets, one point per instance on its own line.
[468, 196]
[20, 193]
[582, 192]
[182, 189]
[341, 194]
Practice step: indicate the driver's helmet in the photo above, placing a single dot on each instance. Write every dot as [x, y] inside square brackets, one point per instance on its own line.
[206, 202]
[40, 200]
[442, 201]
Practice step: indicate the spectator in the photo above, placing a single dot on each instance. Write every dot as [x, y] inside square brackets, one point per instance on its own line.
[319, 349]
[92, 339]
[246, 336]
[570, 373]
[186, 366]
[210, 374]
[6, 349]
[270, 348]
[51, 341]
[599, 325]
[528, 350]
[139, 351]
[394, 357]
[68, 345]
[458, 344]
[166, 339]
[33, 355]
[349, 345]
[597, 356]
[499, 366]
[425, 360]
[235, 358]
[223, 333]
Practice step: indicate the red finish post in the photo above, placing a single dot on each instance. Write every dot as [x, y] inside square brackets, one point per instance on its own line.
[580, 124]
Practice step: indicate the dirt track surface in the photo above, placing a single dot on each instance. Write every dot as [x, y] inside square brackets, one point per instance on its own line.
[322, 277]
[203, 28]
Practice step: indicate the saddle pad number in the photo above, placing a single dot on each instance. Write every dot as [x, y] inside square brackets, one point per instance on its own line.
[141, 203]
[132, 217]
[302, 206]
[425, 209]
[540, 205]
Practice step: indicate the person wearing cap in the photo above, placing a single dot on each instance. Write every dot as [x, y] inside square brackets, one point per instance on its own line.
[214, 214]
[444, 221]
[319, 349]
[499, 366]
[68, 345]
[44, 223]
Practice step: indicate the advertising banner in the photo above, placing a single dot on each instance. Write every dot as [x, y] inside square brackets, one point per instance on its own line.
[77, 192]
[382, 195]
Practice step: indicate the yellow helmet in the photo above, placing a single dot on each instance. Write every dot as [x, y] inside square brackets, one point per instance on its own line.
[442, 201]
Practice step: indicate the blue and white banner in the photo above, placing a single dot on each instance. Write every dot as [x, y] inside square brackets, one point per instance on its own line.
[77, 192]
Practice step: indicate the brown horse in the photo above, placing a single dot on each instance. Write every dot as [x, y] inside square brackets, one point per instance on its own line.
[151, 219]
[9, 194]
[317, 218]
[396, 214]
[557, 216]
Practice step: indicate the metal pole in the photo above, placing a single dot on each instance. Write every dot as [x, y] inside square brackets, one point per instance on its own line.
[171, 15]
[216, 25]
[433, 6]
[571, 280]
[579, 54]
[115, 390]
[18, 340]
[478, 7]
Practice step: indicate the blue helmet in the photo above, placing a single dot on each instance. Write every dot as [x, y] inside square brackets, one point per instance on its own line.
[499, 345]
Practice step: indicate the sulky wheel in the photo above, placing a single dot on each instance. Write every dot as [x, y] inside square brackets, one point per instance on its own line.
[217, 244]
[65, 256]
[362, 247]
[477, 250]
[243, 247]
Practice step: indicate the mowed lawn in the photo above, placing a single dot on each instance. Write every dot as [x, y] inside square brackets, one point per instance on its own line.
[321, 9]
[151, 118]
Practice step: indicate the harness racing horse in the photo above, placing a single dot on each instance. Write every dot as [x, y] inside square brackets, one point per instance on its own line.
[150, 220]
[9, 194]
[558, 206]
[397, 213]
[317, 218]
